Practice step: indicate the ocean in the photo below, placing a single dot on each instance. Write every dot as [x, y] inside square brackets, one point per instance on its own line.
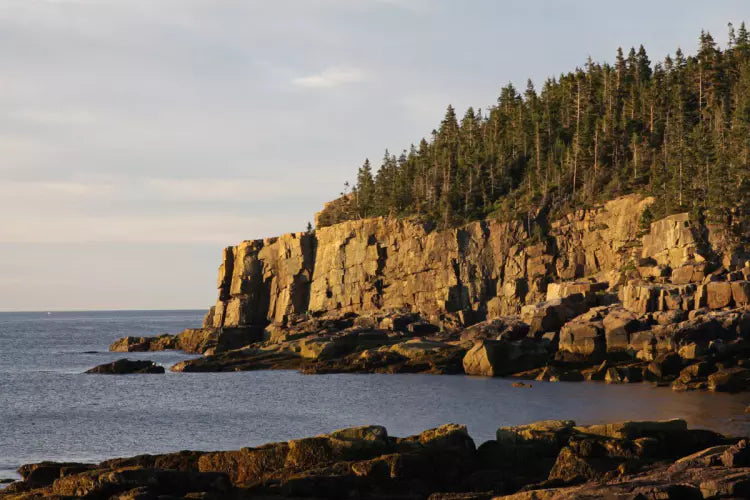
[51, 410]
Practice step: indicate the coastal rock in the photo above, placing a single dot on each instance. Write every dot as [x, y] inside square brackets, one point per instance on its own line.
[565, 289]
[45, 473]
[392, 295]
[741, 293]
[548, 459]
[494, 358]
[192, 340]
[411, 356]
[636, 429]
[673, 241]
[245, 359]
[730, 380]
[619, 324]
[142, 344]
[544, 438]
[127, 366]
[553, 314]
[484, 268]
[584, 335]
[718, 294]
[106, 483]
[508, 328]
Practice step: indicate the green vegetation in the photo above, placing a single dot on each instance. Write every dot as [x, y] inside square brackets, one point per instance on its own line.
[678, 130]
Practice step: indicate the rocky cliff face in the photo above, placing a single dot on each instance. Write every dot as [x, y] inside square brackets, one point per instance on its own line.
[484, 269]
[594, 299]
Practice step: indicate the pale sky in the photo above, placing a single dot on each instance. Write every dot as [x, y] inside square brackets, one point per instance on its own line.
[140, 137]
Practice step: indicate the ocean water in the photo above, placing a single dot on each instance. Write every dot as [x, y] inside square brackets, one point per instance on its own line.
[50, 410]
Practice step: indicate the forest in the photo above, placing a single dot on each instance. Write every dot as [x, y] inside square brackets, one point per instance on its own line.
[678, 130]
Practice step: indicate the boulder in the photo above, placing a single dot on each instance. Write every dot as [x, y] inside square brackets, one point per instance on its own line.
[583, 337]
[543, 438]
[730, 380]
[640, 298]
[672, 241]
[741, 293]
[127, 366]
[692, 350]
[419, 348]
[508, 328]
[142, 344]
[692, 272]
[718, 294]
[553, 314]
[107, 483]
[737, 455]
[571, 465]
[618, 325]
[665, 365]
[45, 473]
[493, 358]
[636, 429]
[623, 375]
[398, 321]
[563, 290]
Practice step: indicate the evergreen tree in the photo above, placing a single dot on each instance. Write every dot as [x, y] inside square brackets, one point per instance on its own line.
[678, 130]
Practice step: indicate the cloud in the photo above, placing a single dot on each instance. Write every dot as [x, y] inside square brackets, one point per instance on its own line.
[55, 116]
[413, 5]
[19, 191]
[164, 228]
[331, 77]
[218, 189]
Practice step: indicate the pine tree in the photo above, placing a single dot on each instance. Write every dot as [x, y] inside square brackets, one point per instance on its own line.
[678, 130]
[365, 190]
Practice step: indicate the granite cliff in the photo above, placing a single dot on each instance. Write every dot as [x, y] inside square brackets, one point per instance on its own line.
[484, 269]
[599, 295]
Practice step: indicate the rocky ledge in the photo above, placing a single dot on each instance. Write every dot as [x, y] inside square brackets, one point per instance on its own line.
[544, 460]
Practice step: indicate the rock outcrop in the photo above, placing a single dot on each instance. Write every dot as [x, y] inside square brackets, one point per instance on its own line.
[127, 366]
[549, 459]
[592, 300]
[484, 269]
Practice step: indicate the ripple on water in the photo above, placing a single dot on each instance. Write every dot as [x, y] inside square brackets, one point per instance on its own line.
[50, 410]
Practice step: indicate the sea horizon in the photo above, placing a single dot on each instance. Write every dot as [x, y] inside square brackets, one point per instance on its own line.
[44, 311]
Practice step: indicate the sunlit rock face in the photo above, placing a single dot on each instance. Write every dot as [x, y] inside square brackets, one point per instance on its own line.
[484, 269]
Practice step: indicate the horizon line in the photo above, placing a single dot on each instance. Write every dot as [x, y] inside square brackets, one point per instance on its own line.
[45, 311]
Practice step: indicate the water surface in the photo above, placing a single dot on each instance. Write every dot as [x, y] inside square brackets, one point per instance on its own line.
[50, 410]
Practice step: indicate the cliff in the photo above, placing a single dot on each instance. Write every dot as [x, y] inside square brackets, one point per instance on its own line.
[483, 269]
[596, 297]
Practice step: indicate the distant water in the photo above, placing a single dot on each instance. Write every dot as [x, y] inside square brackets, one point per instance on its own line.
[50, 410]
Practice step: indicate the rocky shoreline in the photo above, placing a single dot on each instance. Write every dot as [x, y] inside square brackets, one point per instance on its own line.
[543, 460]
[563, 339]
[598, 299]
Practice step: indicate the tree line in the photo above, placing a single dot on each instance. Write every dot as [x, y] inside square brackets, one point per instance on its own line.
[678, 130]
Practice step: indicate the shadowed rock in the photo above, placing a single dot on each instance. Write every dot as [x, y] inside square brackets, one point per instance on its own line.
[127, 366]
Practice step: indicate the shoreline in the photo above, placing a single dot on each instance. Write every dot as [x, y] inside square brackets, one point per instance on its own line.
[556, 458]
[549, 395]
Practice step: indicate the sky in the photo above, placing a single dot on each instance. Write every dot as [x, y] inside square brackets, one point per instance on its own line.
[140, 137]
